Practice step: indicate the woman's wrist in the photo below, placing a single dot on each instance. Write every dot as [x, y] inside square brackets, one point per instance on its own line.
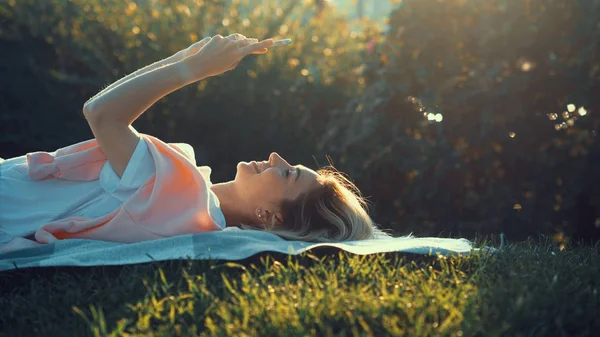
[189, 75]
[184, 72]
[174, 58]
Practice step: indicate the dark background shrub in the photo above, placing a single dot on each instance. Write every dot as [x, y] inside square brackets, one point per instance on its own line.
[516, 83]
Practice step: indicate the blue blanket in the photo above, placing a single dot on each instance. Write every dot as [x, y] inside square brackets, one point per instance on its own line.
[218, 245]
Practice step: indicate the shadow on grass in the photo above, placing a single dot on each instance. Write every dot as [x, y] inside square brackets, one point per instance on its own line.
[534, 288]
[526, 289]
[50, 292]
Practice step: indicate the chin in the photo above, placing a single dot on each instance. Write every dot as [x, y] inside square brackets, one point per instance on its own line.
[239, 168]
[243, 168]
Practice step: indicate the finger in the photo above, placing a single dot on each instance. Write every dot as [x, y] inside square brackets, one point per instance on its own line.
[205, 40]
[252, 48]
[199, 44]
[247, 40]
[262, 51]
[196, 47]
[235, 37]
[243, 42]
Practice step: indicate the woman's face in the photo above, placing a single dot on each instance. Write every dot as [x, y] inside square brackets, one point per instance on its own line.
[266, 183]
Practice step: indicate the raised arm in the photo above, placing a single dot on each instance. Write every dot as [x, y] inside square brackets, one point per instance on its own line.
[111, 114]
[180, 55]
[138, 72]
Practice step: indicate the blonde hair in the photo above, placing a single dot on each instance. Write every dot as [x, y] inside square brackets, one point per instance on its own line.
[334, 211]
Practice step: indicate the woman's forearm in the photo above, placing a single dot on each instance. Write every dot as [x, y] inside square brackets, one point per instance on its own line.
[155, 65]
[125, 102]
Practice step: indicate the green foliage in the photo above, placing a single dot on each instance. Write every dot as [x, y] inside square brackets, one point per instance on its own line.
[277, 101]
[531, 288]
[514, 87]
[514, 153]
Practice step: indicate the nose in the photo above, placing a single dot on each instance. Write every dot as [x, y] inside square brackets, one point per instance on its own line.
[276, 160]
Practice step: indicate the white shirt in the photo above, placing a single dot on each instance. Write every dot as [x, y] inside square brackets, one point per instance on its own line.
[26, 205]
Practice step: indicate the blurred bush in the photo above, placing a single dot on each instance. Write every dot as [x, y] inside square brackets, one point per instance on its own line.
[480, 117]
[58, 53]
[465, 117]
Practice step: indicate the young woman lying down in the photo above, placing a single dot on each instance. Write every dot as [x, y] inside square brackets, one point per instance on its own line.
[126, 186]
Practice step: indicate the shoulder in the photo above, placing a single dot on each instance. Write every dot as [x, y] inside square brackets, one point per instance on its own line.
[185, 149]
[182, 148]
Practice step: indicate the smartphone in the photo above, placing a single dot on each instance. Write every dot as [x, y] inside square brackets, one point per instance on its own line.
[281, 42]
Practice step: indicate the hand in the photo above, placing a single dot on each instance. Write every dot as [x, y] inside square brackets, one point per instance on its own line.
[220, 55]
[189, 51]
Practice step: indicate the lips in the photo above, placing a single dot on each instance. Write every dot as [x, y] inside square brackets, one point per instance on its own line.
[259, 167]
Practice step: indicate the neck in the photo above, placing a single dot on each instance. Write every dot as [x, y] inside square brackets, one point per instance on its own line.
[230, 201]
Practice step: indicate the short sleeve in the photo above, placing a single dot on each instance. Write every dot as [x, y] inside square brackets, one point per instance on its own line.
[186, 150]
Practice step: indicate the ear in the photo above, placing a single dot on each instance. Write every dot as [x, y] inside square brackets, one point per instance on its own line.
[278, 218]
[267, 217]
[262, 216]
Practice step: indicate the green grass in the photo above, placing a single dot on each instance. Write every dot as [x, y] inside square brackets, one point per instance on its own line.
[528, 289]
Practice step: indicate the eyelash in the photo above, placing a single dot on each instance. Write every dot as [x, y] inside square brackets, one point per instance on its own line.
[287, 173]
